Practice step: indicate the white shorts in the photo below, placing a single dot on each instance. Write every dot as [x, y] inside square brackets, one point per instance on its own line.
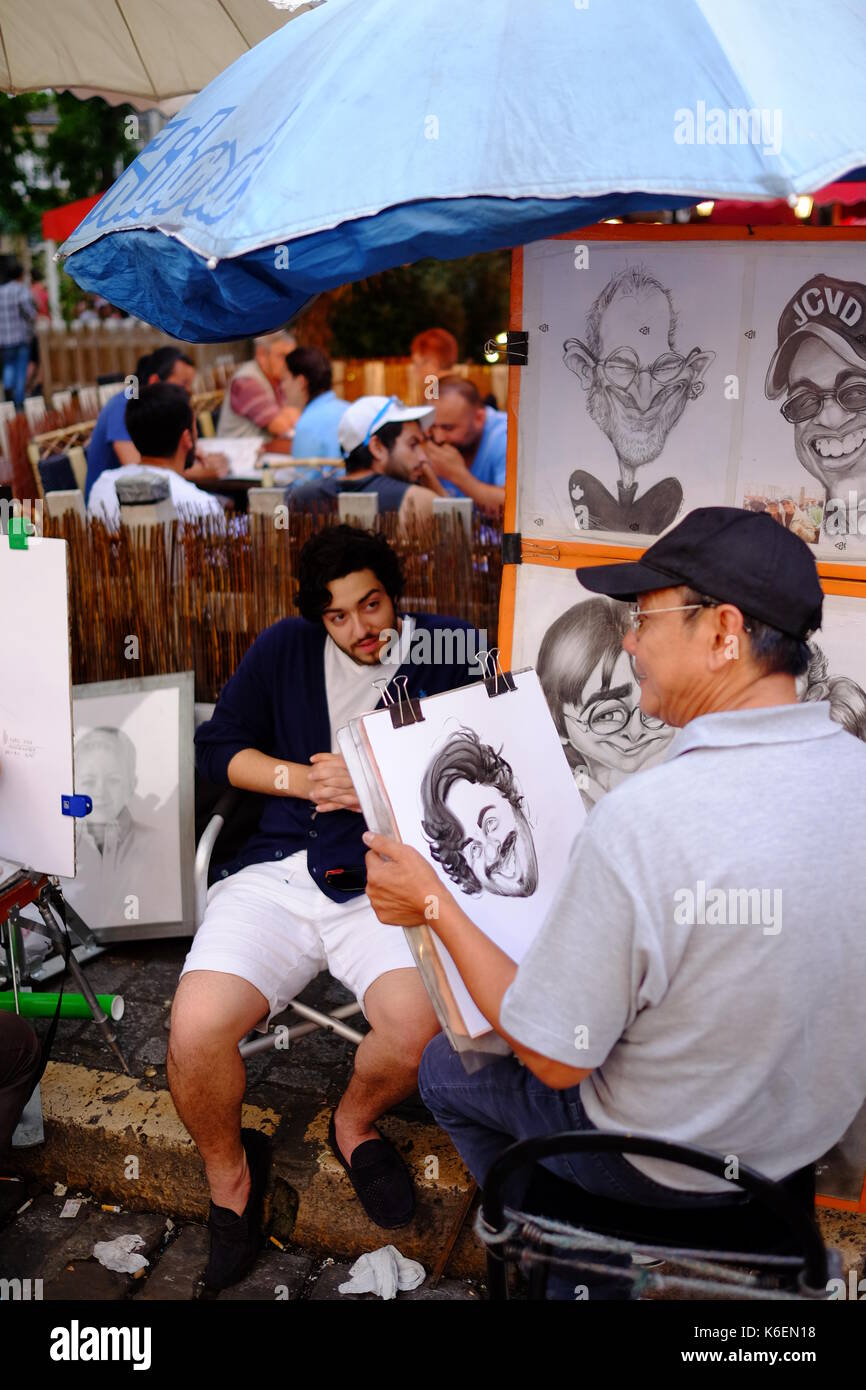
[271, 924]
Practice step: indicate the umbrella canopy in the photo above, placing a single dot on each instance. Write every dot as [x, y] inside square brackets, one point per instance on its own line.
[374, 132]
[142, 51]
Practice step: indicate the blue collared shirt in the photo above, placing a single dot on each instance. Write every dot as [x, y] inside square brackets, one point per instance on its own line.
[488, 465]
[316, 430]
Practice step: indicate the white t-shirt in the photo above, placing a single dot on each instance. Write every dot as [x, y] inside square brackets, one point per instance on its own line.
[349, 686]
[188, 500]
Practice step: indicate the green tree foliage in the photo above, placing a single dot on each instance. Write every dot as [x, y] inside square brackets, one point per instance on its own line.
[380, 316]
[81, 155]
[90, 145]
[19, 209]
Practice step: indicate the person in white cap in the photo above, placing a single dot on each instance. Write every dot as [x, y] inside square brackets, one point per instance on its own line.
[383, 443]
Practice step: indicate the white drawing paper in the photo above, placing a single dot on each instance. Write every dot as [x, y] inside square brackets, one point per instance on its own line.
[35, 708]
[481, 789]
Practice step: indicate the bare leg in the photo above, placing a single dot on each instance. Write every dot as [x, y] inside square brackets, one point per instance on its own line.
[212, 1011]
[402, 1023]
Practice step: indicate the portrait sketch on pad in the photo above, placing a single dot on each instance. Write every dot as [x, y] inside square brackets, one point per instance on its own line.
[480, 788]
[476, 821]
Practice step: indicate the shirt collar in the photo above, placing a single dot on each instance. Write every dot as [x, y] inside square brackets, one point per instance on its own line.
[771, 724]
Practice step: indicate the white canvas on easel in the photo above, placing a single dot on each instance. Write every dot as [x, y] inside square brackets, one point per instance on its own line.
[35, 708]
[388, 767]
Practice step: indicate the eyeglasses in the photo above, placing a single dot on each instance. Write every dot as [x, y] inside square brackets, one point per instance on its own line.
[806, 404]
[623, 364]
[612, 716]
[637, 616]
[392, 400]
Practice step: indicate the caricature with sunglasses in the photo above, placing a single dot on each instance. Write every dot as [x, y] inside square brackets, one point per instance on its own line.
[638, 385]
[819, 368]
[594, 697]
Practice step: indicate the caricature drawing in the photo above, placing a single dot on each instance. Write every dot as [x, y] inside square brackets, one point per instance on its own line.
[819, 366]
[847, 698]
[594, 697]
[637, 386]
[475, 820]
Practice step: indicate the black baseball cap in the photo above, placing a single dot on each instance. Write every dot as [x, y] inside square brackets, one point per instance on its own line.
[826, 308]
[739, 557]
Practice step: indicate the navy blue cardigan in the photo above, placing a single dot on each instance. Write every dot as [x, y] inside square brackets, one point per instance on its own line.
[276, 702]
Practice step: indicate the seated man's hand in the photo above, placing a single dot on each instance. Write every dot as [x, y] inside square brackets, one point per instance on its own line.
[425, 477]
[402, 887]
[330, 784]
[447, 462]
[207, 467]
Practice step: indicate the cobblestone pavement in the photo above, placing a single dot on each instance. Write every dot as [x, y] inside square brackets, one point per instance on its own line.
[55, 1253]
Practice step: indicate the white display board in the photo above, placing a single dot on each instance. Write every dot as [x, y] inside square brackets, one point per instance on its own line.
[35, 708]
[657, 374]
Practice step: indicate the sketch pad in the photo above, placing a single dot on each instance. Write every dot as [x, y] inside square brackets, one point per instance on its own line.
[389, 767]
[35, 708]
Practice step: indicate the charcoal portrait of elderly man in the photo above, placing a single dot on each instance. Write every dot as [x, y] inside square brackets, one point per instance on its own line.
[475, 820]
[637, 386]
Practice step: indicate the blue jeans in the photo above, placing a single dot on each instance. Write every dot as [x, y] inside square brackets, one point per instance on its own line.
[486, 1112]
[16, 359]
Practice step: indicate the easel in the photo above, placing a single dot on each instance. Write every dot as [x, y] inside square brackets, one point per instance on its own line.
[59, 924]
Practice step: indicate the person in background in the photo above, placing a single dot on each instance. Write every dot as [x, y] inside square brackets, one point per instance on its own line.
[43, 311]
[17, 317]
[255, 405]
[308, 389]
[467, 444]
[434, 354]
[110, 445]
[386, 454]
[162, 427]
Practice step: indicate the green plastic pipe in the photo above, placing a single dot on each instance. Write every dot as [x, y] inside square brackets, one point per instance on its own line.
[71, 1006]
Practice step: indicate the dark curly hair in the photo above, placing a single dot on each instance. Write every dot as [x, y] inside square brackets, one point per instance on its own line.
[464, 758]
[337, 551]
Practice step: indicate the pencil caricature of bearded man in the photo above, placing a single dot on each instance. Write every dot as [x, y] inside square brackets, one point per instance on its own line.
[637, 386]
[474, 818]
[819, 366]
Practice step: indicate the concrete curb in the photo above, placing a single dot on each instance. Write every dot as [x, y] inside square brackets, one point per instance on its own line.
[122, 1140]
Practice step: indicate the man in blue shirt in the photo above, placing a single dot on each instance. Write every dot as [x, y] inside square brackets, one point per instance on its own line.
[308, 389]
[110, 445]
[467, 448]
[291, 902]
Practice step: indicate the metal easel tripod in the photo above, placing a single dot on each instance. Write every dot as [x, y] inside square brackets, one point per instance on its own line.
[59, 923]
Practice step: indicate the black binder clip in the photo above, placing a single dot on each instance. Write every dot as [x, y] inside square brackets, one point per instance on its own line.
[515, 349]
[404, 710]
[77, 806]
[496, 681]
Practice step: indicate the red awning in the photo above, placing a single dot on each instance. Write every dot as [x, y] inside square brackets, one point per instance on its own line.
[60, 223]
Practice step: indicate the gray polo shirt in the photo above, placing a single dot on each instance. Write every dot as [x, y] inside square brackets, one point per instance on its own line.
[706, 951]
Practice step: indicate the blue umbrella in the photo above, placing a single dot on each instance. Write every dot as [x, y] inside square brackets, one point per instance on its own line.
[369, 133]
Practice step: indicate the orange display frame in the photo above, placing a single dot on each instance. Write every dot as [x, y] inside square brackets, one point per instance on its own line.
[836, 578]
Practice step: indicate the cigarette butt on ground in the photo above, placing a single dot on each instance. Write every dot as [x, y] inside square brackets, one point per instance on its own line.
[28, 1203]
[277, 1243]
[107, 1206]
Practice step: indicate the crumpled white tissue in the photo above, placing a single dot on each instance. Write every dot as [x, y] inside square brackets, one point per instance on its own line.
[118, 1254]
[383, 1272]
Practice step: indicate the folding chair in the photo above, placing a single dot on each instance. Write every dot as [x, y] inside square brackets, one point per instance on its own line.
[766, 1226]
[227, 804]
